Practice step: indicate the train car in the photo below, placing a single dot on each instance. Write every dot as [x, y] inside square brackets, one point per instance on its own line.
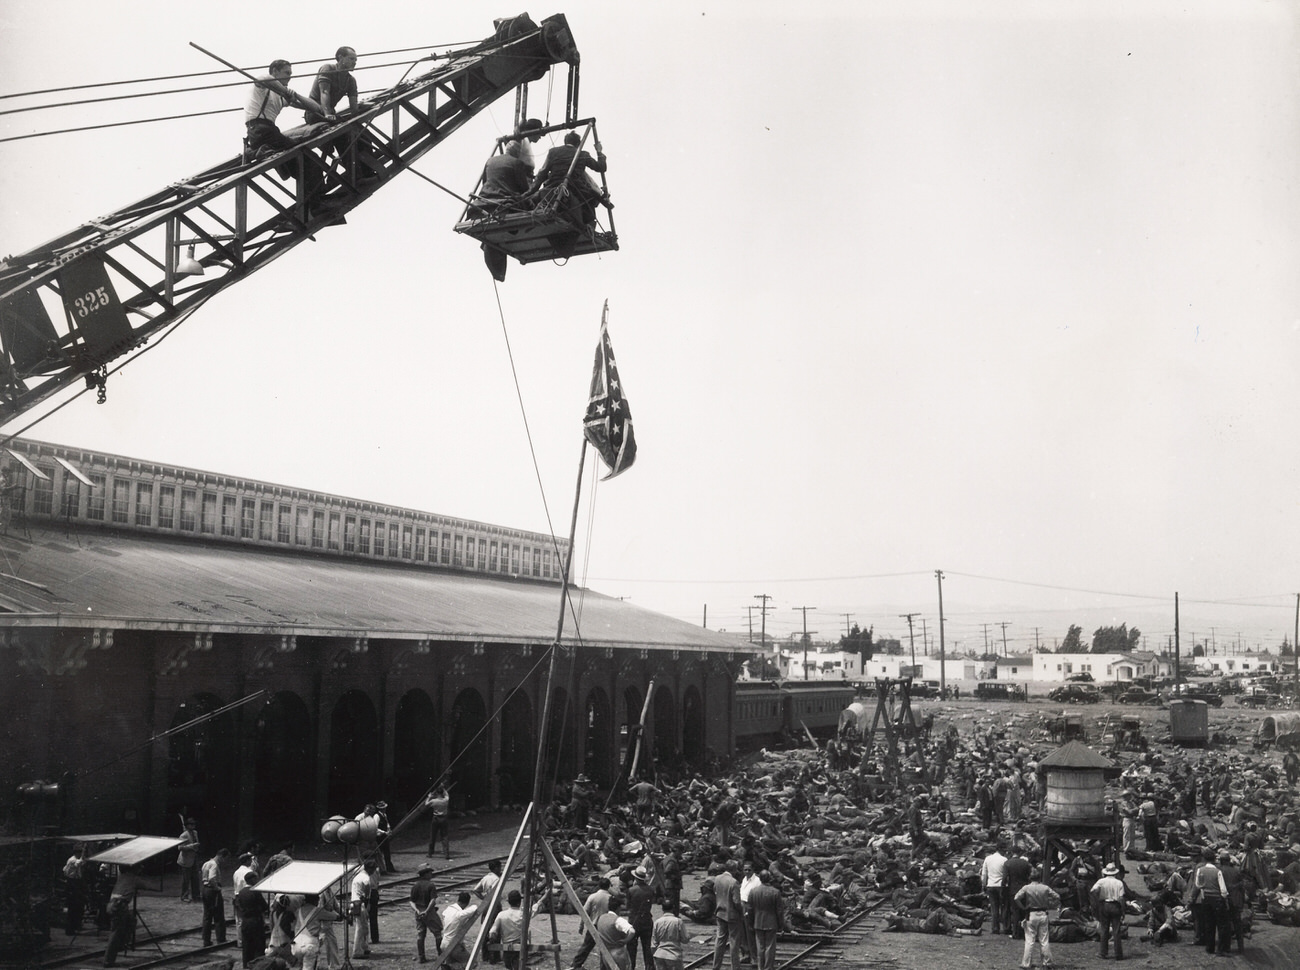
[771, 714]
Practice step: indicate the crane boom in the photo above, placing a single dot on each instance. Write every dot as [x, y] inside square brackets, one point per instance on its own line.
[118, 280]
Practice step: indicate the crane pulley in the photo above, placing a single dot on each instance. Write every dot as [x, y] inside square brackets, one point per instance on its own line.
[70, 307]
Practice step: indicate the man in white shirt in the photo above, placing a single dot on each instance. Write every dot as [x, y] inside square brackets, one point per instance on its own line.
[508, 930]
[240, 881]
[1108, 902]
[359, 907]
[991, 879]
[483, 889]
[214, 908]
[456, 922]
[748, 881]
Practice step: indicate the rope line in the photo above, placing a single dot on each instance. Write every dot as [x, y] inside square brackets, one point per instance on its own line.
[258, 67]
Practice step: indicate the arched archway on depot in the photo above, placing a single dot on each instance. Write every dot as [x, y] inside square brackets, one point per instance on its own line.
[355, 759]
[664, 727]
[468, 765]
[598, 744]
[693, 743]
[201, 768]
[417, 751]
[282, 769]
[518, 751]
[561, 759]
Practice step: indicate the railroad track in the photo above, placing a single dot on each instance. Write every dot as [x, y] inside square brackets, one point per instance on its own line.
[184, 947]
[818, 949]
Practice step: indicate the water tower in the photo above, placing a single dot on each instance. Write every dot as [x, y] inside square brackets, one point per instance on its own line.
[1075, 809]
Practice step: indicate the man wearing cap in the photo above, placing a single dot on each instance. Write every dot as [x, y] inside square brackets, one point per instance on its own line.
[580, 802]
[1108, 903]
[424, 897]
[508, 930]
[640, 897]
[668, 940]
[1036, 899]
[253, 911]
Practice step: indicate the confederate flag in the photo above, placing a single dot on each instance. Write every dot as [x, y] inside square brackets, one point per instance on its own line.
[608, 424]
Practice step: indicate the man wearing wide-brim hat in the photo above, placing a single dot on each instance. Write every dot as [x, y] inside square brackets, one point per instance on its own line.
[640, 897]
[424, 898]
[1108, 903]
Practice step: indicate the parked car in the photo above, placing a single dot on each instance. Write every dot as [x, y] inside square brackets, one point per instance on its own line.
[991, 690]
[1197, 692]
[1074, 694]
[925, 689]
[1083, 678]
[1112, 689]
[1140, 695]
[1258, 697]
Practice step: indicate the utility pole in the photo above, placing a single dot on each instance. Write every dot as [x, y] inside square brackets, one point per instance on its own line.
[763, 626]
[751, 623]
[1036, 639]
[943, 673]
[986, 637]
[847, 617]
[1177, 644]
[804, 610]
[925, 638]
[910, 639]
[1004, 626]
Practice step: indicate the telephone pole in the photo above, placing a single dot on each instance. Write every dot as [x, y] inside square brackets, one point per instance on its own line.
[925, 637]
[910, 639]
[847, 617]
[763, 597]
[1004, 624]
[943, 673]
[804, 610]
[986, 638]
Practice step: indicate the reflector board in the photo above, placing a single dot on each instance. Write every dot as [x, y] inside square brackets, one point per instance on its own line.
[305, 878]
[138, 850]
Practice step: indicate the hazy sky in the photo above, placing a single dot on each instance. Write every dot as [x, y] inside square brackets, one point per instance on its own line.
[1003, 289]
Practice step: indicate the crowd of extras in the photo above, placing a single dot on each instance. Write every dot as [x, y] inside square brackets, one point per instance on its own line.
[940, 834]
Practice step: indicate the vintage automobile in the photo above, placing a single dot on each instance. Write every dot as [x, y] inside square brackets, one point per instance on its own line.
[1074, 694]
[1258, 697]
[1197, 692]
[1140, 695]
[1083, 678]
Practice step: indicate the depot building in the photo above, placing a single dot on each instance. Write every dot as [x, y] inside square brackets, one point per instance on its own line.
[325, 651]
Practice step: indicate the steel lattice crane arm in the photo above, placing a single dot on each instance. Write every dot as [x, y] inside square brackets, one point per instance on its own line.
[117, 280]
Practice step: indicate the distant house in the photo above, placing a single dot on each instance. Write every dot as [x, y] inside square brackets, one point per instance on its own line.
[1016, 669]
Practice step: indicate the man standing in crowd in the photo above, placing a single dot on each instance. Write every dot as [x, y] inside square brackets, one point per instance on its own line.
[74, 875]
[992, 874]
[1015, 876]
[728, 917]
[424, 897]
[668, 940]
[767, 910]
[252, 909]
[121, 913]
[507, 930]
[456, 922]
[596, 906]
[1036, 899]
[359, 910]
[214, 906]
[187, 857]
[439, 805]
[615, 933]
[640, 897]
[1108, 903]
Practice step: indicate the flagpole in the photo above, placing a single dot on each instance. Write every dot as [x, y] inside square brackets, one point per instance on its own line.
[535, 833]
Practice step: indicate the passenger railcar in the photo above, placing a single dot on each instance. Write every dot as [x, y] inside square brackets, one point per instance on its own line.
[769, 713]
